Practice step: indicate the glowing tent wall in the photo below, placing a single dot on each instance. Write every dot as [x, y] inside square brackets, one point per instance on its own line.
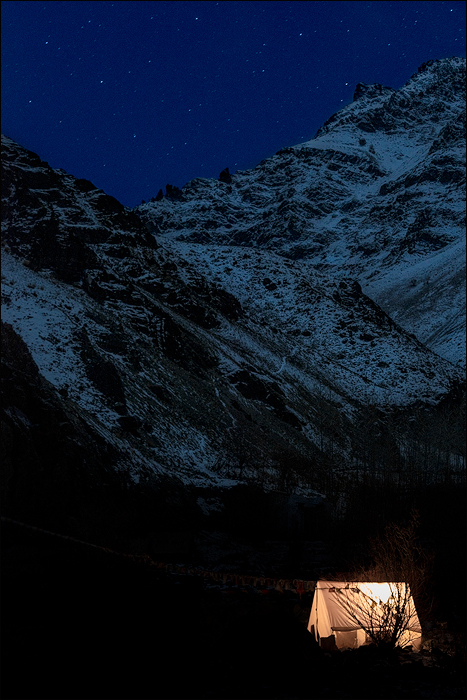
[336, 604]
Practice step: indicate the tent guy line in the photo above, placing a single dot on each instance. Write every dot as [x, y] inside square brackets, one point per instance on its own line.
[297, 586]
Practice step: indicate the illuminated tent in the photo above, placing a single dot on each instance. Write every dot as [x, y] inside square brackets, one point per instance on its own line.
[342, 613]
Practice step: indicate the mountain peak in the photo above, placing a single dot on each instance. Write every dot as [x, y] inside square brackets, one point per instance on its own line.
[442, 65]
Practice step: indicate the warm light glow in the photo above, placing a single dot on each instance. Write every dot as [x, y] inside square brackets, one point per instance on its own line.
[378, 591]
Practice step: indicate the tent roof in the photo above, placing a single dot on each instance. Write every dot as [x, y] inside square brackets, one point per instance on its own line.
[380, 591]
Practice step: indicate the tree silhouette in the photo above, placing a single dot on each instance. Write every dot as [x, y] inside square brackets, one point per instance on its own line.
[386, 612]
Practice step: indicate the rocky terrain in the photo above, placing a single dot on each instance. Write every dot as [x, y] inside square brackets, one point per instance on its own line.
[208, 333]
[230, 332]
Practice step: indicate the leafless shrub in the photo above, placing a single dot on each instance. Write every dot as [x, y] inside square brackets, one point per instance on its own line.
[384, 611]
[388, 614]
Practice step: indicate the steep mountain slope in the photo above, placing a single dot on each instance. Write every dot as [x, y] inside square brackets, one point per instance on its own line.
[208, 378]
[236, 343]
[378, 195]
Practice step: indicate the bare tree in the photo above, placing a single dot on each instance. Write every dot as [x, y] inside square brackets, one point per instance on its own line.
[400, 571]
[384, 611]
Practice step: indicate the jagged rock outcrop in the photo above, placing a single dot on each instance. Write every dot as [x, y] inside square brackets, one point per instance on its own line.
[225, 176]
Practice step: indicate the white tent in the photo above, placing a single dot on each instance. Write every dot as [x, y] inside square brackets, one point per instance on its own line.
[341, 612]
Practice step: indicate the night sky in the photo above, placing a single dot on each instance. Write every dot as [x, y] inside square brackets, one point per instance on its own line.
[134, 95]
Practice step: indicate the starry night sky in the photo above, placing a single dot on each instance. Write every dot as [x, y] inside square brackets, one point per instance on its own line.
[134, 95]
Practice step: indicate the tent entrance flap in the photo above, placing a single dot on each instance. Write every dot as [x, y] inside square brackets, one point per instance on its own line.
[350, 640]
[345, 629]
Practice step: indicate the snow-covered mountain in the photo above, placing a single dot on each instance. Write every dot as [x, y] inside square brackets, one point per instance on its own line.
[378, 195]
[221, 332]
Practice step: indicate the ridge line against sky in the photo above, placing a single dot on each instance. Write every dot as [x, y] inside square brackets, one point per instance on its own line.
[134, 95]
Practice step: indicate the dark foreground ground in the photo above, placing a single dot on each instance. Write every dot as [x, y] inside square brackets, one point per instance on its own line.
[83, 624]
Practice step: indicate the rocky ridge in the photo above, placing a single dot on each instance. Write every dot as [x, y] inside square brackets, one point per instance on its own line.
[195, 337]
[378, 195]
